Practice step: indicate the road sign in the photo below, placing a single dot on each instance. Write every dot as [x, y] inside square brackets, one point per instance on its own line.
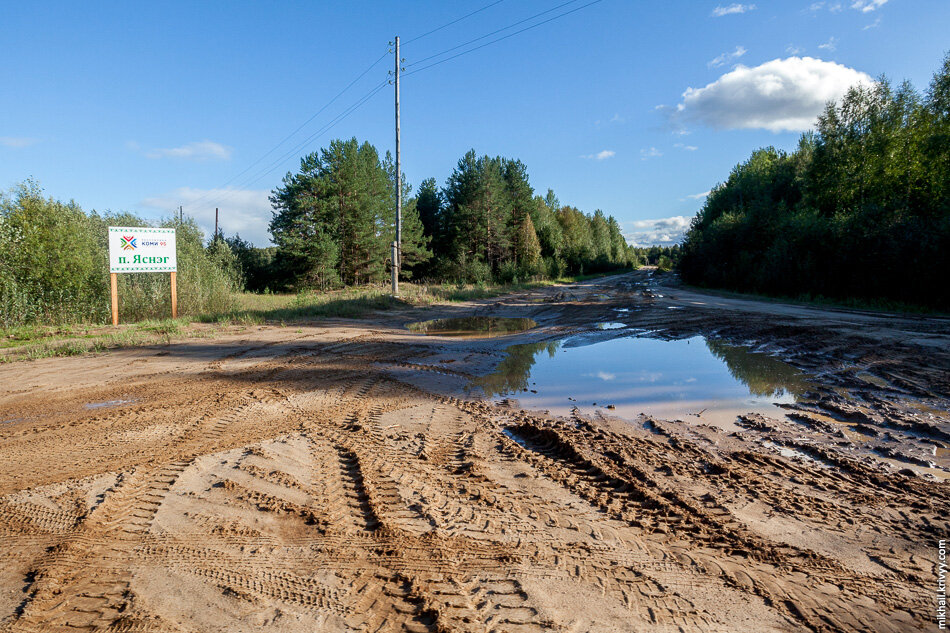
[141, 250]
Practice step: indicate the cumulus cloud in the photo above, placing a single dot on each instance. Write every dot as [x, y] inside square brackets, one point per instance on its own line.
[791, 49]
[865, 6]
[18, 141]
[602, 155]
[660, 232]
[651, 152]
[731, 9]
[200, 150]
[830, 45]
[243, 211]
[726, 57]
[780, 95]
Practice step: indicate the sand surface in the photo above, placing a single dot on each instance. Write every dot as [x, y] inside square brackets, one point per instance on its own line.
[341, 476]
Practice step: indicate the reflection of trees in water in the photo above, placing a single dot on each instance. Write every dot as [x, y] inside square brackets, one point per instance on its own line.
[460, 326]
[513, 372]
[762, 374]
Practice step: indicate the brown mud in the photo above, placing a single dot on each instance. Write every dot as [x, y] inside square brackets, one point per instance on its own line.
[340, 476]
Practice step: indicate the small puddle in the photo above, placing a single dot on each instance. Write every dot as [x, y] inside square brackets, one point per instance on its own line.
[794, 453]
[107, 403]
[696, 380]
[472, 327]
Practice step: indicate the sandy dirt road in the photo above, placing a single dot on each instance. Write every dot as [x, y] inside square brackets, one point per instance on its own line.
[340, 476]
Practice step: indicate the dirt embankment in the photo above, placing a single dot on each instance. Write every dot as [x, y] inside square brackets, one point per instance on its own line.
[336, 477]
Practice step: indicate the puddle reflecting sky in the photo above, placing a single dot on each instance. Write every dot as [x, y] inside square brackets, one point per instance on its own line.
[665, 379]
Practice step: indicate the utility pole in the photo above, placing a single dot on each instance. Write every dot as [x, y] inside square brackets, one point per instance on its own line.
[181, 215]
[397, 245]
[216, 223]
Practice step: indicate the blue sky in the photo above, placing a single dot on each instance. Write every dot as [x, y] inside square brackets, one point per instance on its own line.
[636, 108]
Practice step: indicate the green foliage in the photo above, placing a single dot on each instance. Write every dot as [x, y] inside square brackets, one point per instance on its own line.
[333, 224]
[860, 210]
[258, 271]
[335, 219]
[54, 266]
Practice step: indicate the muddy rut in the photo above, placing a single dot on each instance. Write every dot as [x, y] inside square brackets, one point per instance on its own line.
[335, 477]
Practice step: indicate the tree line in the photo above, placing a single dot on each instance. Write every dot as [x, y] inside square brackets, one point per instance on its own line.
[334, 220]
[861, 209]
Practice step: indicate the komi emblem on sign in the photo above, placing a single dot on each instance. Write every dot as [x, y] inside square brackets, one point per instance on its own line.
[128, 242]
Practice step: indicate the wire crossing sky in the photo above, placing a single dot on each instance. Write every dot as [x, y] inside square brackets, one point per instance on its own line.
[634, 108]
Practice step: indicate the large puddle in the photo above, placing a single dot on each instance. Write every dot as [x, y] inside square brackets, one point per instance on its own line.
[472, 327]
[695, 380]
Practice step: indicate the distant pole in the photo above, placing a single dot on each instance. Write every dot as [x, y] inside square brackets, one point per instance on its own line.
[181, 215]
[397, 252]
[216, 223]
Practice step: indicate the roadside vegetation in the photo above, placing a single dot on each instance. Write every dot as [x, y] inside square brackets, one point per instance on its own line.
[859, 214]
[54, 266]
[247, 309]
[484, 234]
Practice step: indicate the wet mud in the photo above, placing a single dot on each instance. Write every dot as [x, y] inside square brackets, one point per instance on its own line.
[357, 476]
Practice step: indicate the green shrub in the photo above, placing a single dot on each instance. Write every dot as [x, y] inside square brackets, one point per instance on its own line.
[54, 266]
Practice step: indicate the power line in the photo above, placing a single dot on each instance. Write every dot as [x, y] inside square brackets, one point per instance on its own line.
[332, 123]
[203, 198]
[428, 33]
[326, 128]
[495, 32]
[224, 195]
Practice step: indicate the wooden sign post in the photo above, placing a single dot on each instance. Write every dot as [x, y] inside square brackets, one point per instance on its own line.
[141, 250]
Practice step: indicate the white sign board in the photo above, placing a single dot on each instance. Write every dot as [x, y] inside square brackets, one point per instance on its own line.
[142, 250]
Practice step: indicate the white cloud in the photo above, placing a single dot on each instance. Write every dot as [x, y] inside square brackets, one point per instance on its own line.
[791, 49]
[243, 211]
[662, 232]
[780, 95]
[603, 375]
[873, 25]
[864, 6]
[830, 45]
[698, 196]
[688, 148]
[650, 153]
[200, 150]
[731, 9]
[726, 57]
[834, 7]
[18, 141]
[602, 155]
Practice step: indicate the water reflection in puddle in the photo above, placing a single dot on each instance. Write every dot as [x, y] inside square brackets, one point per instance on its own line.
[695, 380]
[107, 403]
[472, 327]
